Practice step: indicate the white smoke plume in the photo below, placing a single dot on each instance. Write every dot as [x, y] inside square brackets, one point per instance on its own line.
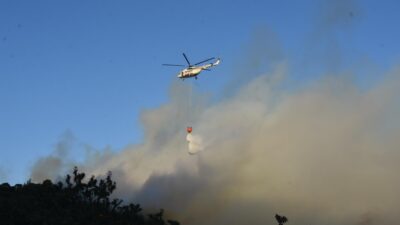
[195, 143]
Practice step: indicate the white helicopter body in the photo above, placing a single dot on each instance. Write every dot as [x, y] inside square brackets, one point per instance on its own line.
[194, 70]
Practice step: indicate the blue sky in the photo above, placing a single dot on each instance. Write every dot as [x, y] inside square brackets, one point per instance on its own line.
[88, 68]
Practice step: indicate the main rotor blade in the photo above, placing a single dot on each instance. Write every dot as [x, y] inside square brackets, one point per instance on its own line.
[204, 61]
[172, 65]
[187, 60]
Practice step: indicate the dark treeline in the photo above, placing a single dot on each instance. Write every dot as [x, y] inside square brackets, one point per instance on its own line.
[72, 202]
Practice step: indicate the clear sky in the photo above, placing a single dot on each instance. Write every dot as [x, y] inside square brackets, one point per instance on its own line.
[88, 68]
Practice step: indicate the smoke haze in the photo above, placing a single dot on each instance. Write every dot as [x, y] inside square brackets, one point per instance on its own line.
[325, 152]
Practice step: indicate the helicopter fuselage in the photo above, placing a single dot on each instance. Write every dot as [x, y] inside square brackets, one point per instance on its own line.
[193, 71]
[190, 72]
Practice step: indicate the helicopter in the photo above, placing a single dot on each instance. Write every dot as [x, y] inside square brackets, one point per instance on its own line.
[195, 69]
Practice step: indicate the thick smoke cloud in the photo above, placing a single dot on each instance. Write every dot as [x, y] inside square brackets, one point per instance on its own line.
[326, 153]
[323, 154]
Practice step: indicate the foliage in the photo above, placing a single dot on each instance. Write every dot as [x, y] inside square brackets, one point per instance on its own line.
[281, 219]
[74, 202]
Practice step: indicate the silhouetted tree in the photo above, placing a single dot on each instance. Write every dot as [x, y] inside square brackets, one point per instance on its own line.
[72, 202]
[281, 219]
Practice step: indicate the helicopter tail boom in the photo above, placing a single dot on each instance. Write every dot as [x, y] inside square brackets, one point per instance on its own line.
[216, 63]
